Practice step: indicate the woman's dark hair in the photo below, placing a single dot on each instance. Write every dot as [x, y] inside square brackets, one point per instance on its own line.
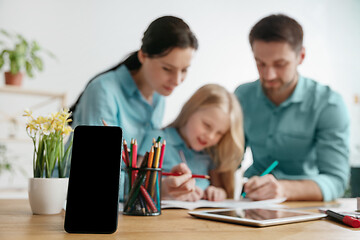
[278, 28]
[162, 35]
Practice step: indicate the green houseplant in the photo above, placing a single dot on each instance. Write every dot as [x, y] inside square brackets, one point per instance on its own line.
[23, 56]
[47, 194]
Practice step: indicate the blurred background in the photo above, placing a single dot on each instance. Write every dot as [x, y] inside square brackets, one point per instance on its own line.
[90, 36]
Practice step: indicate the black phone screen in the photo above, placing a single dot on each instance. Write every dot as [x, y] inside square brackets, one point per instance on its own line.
[93, 192]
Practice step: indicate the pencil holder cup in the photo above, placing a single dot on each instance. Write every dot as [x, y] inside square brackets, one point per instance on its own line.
[142, 195]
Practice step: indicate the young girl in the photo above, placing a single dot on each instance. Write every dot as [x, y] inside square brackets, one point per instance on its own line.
[209, 132]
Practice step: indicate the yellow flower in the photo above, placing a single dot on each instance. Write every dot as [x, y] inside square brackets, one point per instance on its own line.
[49, 131]
[28, 113]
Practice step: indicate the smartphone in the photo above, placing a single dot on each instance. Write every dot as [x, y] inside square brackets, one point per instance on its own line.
[93, 191]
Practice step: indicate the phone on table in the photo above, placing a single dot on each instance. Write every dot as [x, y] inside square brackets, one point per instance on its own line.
[93, 192]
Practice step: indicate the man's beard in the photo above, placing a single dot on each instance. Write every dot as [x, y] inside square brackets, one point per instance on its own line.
[278, 91]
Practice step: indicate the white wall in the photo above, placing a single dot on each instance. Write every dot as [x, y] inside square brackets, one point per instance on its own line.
[90, 36]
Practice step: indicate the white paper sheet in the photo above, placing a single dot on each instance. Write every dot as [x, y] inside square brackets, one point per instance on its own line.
[244, 203]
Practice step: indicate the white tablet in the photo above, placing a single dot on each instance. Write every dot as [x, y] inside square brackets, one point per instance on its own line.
[260, 217]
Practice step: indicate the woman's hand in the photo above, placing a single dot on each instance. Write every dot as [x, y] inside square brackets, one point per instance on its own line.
[215, 194]
[180, 187]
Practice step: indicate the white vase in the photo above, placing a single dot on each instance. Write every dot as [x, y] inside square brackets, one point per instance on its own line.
[47, 195]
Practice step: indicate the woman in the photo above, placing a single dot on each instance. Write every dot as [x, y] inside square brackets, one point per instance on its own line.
[131, 94]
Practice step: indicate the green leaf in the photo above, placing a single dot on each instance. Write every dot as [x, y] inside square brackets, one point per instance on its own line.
[66, 160]
[38, 63]
[14, 67]
[20, 61]
[22, 40]
[50, 54]
[5, 33]
[35, 47]
[40, 160]
[20, 49]
[2, 61]
[29, 69]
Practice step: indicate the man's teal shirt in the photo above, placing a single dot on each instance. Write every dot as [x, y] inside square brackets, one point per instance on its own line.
[308, 134]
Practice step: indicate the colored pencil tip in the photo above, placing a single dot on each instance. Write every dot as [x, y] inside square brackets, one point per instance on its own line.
[103, 121]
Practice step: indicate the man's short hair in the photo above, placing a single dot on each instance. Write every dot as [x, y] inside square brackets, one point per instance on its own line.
[278, 28]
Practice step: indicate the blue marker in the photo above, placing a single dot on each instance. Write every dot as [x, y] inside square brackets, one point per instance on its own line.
[267, 171]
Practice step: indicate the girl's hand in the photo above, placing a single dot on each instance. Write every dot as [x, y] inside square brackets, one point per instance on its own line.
[193, 196]
[214, 194]
[179, 187]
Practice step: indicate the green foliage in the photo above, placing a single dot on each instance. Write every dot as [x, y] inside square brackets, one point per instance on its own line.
[5, 164]
[23, 56]
[49, 150]
[47, 134]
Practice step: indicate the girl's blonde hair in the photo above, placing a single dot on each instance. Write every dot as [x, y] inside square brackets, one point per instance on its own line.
[227, 154]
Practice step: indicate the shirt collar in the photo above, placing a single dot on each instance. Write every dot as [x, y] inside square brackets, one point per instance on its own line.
[129, 86]
[299, 92]
[176, 140]
[127, 82]
[296, 96]
[175, 137]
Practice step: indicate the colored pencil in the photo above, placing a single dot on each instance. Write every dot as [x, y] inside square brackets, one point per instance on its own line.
[151, 157]
[153, 175]
[182, 156]
[156, 160]
[124, 158]
[148, 199]
[179, 174]
[134, 161]
[126, 150]
[162, 154]
[267, 171]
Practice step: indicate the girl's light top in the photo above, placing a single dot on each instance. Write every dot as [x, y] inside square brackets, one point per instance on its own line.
[114, 97]
[198, 162]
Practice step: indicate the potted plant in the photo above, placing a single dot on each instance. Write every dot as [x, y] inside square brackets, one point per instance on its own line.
[47, 194]
[24, 56]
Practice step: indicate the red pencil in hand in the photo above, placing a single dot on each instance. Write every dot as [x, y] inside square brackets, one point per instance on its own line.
[179, 174]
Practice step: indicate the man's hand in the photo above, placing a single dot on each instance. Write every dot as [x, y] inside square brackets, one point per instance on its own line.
[268, 187]
[180, 187]
[265, 187]
[213, 193]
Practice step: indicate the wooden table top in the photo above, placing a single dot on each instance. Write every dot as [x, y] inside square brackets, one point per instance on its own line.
[18, 222]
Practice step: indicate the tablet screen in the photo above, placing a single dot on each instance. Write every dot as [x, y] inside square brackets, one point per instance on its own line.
[260, 217]
[258, 214]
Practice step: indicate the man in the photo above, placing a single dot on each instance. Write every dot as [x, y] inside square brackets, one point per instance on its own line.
[292, 119]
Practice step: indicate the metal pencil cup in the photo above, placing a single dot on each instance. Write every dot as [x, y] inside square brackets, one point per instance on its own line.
[142, 195]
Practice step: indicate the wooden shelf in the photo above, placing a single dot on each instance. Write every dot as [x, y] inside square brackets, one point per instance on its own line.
[33, 92]
[46, 97]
